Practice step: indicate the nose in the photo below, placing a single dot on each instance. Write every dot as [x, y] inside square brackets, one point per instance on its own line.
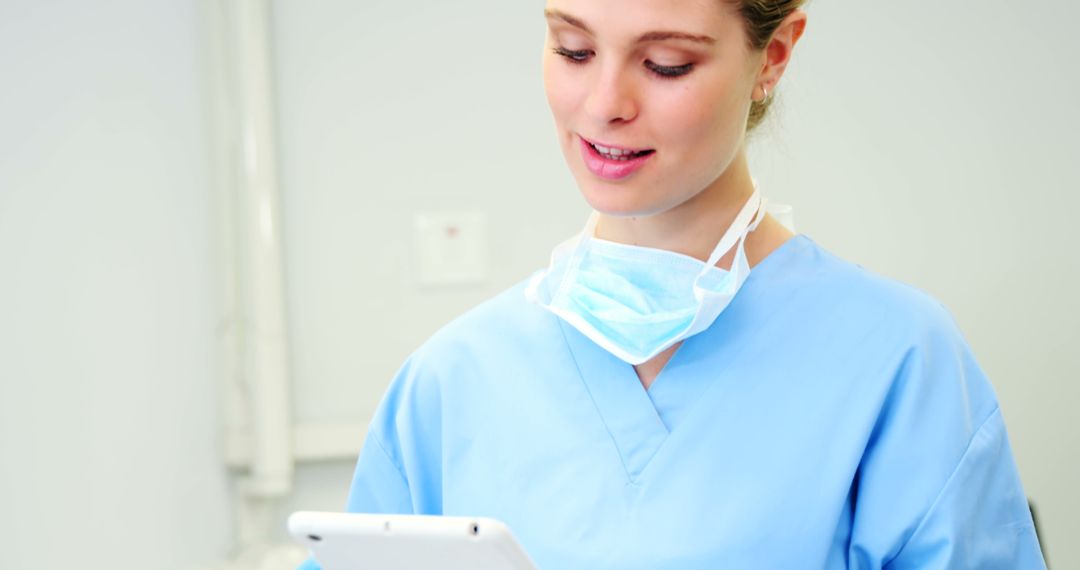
[613, 97]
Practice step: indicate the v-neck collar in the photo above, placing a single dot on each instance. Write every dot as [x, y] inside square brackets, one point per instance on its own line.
[621, 401]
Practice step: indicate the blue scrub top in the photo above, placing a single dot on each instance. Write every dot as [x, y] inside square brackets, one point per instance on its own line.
[829, 418]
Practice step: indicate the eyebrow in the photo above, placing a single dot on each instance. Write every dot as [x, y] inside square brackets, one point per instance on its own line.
[657, 36]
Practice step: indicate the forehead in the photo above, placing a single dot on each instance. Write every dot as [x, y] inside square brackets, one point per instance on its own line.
[625, 19]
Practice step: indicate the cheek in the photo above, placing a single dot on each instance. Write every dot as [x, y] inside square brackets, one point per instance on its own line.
[559, 89]
[704, 117]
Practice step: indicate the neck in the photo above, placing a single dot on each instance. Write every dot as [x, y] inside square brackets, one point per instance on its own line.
[692, 228]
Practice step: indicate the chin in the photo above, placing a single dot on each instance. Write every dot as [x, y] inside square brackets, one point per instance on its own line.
[636, 196]
[619, 201]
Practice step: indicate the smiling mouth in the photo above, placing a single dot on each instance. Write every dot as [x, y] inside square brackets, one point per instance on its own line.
[618, 154]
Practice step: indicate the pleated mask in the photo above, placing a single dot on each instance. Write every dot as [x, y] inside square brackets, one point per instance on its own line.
[635, 302]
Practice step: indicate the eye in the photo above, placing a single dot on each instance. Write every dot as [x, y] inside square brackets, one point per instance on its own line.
[573, 56]
[669, 71]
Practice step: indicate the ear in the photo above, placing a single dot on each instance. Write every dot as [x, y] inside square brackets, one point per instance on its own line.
[778, 52]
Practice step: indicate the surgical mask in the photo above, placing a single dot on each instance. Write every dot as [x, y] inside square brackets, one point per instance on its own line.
[635, 302]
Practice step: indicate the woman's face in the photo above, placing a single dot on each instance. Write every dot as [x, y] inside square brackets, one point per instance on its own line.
[665, 83]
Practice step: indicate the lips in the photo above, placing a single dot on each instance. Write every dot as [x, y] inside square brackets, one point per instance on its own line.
[612, 162]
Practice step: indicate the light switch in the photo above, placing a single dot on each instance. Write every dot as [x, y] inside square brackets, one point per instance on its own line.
[452, 247]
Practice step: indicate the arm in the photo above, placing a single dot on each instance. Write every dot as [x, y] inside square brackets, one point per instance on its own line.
[938, 486]
[981, 518]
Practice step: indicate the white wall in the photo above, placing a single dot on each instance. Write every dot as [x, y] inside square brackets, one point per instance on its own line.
[109, 423]
[927, 140]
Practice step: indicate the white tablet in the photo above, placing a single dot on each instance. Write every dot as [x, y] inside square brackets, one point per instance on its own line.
[350, 541]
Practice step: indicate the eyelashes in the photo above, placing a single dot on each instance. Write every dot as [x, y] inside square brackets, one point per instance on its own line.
[668, 71]
[579, 57]
[573, 56]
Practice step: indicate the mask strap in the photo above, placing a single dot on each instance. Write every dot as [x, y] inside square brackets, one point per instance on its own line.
[753, 226]
[578, 253]
[762, 210]
[590, 225]
[750, 215]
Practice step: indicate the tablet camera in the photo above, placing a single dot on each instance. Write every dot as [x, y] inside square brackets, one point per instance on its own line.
[474, 529]
[314, 537]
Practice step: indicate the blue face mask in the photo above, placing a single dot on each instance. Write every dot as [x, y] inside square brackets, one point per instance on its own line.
[636, 302]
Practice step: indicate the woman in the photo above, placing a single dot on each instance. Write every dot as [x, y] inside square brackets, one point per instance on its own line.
[688, 385]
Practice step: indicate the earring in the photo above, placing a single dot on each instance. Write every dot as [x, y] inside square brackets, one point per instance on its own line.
[764, 94]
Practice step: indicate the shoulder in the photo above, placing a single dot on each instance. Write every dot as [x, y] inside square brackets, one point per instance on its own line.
[935, 445]
[498, 323]
[889, 339]
[450, 366]
[850, 293]
[928, 372]
[473, 349]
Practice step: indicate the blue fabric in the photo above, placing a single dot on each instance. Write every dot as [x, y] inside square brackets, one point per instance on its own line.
[829, 418]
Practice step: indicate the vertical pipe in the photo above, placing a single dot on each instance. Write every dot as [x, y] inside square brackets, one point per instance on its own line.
[260, 205]
[257, 351]
[252, 329]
